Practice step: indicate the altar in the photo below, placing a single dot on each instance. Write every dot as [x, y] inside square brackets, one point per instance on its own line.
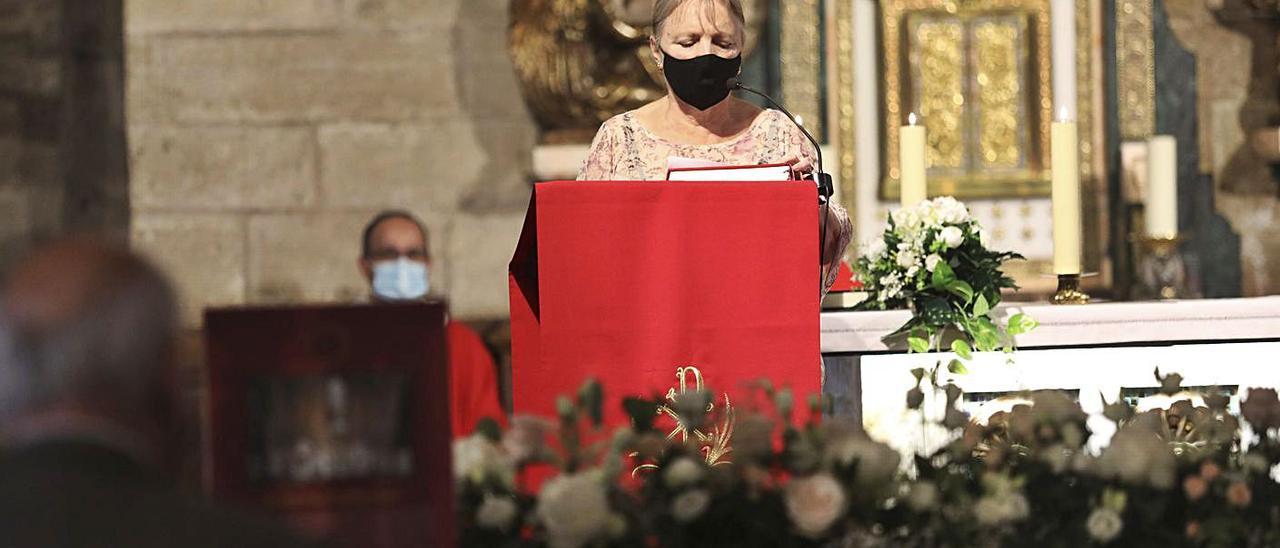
[1095, 352]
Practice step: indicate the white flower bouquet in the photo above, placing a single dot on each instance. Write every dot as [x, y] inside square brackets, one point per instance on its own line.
[933, 258]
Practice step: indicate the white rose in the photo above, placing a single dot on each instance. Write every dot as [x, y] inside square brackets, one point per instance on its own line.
[814, 503]
[907, 259]
[1104, 524]
[496, 512]
[931, 262]
[984, 237]
[950, 210]
[923, 496]
[574, 509]
[681, 472]
[877, 462]
[988, 511]
[1138, 456]
[526, 439]
[951, 236]
[475, 457]
[1001, 508]
[876, 248]
[690, 505]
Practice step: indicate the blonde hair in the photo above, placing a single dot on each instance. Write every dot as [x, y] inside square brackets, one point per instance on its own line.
[662, 10]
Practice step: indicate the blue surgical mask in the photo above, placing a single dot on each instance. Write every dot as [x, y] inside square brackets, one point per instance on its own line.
[400, 280]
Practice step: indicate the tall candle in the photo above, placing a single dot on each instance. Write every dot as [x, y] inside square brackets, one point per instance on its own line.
[911, 138]
[1062, 15]
[1067, 231]
[1162, 187]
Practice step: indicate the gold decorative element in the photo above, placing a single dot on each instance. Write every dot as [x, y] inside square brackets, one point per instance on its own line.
[998, 43]
[1135, 68]
[714, 444]
[843, 105]
[1162, 273]
[801, 62]
[1069, 290]
[579, 62]
[1001, 61]
[938, 78]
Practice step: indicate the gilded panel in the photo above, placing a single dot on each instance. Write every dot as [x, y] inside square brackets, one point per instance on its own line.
[993, 162]
[938, 82]
[998, 44]
[801, 62]
[1135, 69]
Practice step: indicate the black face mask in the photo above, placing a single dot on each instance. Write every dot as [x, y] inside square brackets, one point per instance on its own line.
[702, 81]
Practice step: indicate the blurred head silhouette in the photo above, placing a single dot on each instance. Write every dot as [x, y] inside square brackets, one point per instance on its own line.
[87, 330]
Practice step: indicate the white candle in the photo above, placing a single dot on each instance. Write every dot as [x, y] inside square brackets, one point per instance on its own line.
[1162, 187]
[866, 118]
[911, 151]
[1067, 228]
[1062, 15]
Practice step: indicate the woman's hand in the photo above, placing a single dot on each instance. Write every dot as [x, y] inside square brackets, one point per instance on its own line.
[801, 166]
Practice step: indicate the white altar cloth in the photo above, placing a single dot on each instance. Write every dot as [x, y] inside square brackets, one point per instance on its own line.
[1097, 352]
[1096, 324]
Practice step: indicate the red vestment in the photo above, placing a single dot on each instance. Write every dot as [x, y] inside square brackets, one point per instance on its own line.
[473, 380]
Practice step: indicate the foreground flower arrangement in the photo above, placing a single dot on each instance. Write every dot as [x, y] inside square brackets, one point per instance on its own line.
[933, 258]
[1180, 476]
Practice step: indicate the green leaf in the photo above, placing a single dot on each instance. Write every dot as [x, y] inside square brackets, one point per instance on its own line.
[943, 275]
[962, 289]
[957, 367]
[980, 306]
[961, 348]
[918, 345]
[1021, 323]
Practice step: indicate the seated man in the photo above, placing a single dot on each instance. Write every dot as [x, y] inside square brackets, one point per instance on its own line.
[395, 259]
[88, 416]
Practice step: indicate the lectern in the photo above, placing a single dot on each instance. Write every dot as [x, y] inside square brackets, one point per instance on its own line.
[658, 287]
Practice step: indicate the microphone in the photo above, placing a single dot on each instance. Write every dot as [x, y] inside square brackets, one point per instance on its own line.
[825, 186]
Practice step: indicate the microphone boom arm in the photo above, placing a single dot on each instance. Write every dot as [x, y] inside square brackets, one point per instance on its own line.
[825, 186]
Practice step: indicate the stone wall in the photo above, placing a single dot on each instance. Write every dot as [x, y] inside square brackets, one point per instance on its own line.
[263, 135]
[62, 136]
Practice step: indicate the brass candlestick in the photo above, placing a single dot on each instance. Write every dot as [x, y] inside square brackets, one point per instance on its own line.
[1069, 290]
[1161, 270]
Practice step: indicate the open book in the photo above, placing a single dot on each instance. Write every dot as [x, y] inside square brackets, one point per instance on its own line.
[685, 169]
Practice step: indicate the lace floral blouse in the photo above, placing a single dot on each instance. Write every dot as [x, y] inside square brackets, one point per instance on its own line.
[624, 150]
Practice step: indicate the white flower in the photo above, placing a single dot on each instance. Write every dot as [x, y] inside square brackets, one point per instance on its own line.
[932, 261]
[475, 458]
[574, 509]
[950, 210]
[690, 505]
[922, 496]
[1104, 524]
[1001, 508]
[496, 512]
[951, 236]
[1138, 456]
[877, 462]
[984, 237]
[683, 471]
[526, 439]
[907, 258]
[814, 503]
[875, 248]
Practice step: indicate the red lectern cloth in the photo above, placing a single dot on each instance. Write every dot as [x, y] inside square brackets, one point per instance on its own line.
[628, 281]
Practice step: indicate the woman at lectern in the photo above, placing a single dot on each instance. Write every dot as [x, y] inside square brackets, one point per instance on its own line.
[698, 46]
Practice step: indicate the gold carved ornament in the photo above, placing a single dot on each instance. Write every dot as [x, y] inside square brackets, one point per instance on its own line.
[978, 73]
[714, 444]
[580, 62]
